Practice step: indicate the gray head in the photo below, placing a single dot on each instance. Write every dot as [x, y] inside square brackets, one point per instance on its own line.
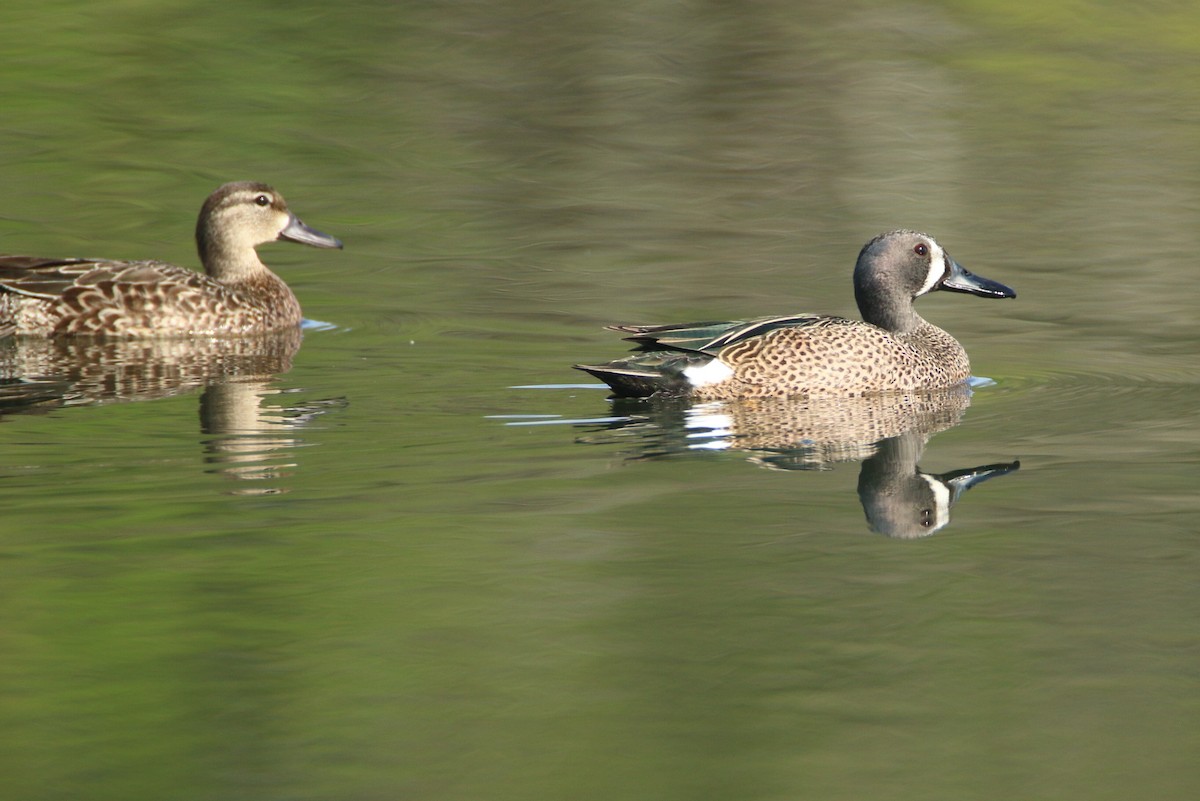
[896, 268]
[239, 217]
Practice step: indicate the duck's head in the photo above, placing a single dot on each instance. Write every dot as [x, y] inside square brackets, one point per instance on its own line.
[896, 268]
[240, 216]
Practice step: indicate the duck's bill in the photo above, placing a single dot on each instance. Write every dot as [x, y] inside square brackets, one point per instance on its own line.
[959, 279]
[297, 231]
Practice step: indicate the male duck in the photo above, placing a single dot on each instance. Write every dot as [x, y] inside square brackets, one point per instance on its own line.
[236, 295]
[892, 348]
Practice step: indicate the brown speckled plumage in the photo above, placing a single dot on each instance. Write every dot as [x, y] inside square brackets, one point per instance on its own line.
[237, 293]
[892, 348]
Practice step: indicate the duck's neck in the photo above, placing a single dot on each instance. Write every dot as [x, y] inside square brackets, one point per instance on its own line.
[891, 314]
[229, 264]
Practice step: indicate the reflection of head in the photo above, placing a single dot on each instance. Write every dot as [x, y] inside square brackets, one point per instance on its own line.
[901, 501]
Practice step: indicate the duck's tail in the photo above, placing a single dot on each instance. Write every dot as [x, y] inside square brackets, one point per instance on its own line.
[632, 380]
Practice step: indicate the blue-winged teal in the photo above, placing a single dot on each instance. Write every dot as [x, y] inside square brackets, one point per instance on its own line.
[236, 295]
[892, 348]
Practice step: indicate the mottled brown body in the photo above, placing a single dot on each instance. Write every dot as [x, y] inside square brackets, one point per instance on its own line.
[841, 357]
[140, 299]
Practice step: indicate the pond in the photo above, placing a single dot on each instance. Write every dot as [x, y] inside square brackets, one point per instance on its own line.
[413, 554]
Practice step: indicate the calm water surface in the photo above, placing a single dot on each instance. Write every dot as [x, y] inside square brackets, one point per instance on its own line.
[415, 555]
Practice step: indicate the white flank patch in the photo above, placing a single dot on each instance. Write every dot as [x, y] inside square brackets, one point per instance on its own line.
[937, 267]
[941, 502]
[713, 372]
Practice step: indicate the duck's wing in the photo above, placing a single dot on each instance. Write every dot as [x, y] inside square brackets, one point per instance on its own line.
[709, 338]
[49, 278]
[40, 277]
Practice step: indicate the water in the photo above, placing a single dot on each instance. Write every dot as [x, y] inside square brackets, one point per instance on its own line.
[416, 555]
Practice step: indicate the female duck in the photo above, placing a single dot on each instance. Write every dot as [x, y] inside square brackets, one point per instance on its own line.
[892, 348]
[236, 294]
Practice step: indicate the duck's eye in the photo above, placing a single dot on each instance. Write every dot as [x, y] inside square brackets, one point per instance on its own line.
[262, 200]
[921, 249]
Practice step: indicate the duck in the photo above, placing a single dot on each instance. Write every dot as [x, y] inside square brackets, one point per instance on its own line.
[811, 355]
[236, 293]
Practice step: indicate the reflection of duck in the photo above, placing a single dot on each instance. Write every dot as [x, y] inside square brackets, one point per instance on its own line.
[892, 348]
[243, 434]
[237, 295]
[75, 371]
[804, 433]
[887, 433]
